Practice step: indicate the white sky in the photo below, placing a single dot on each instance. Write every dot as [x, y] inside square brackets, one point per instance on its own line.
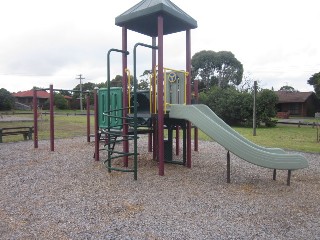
[52, 41]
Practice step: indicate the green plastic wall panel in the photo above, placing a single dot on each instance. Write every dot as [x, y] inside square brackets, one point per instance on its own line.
[115, 103]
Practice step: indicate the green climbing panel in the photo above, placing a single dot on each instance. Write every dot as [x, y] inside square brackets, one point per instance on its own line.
[115, 107]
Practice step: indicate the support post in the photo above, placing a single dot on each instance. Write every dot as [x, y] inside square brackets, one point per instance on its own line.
[51, 119]
[228, 167]
[160, 97]
[274, 177]
[35, 118]
[188, 90]
[196, 96]
[289, 177]
[96, 124]
[88, 116]
[125, 144]
[153, 101]
[151, 136]
[177, 140]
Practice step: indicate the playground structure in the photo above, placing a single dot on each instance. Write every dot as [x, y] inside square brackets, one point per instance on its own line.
[120, 115]
[170, 102]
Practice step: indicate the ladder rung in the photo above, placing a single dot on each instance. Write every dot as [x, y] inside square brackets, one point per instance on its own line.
[118, 152]
[120, 140]
[120, 155]
[120, 169]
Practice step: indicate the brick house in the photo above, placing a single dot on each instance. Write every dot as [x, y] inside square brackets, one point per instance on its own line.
[26, 97]
[302, 104]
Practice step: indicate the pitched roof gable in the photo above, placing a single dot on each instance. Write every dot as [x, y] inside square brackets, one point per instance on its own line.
[142, 18]
[293, 97]
[29, 93]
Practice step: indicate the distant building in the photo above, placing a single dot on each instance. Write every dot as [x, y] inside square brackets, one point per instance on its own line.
[26, 97]
[302, 104]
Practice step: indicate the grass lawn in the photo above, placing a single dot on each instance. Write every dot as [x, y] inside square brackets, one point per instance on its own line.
[283, 136]
[64, 126]
[289, 137]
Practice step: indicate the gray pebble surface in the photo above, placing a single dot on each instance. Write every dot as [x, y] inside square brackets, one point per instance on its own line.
[65, 194]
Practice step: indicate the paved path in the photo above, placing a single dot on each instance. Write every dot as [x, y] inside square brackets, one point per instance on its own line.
[11, 118]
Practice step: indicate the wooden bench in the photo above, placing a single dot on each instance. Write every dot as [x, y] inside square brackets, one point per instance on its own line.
[25, 131]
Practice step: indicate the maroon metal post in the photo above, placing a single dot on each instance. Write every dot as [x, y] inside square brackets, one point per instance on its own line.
[88, 117]
[35, 118]
[188, 68]
[160, 97]
[125, 99]
[51, 119]
[228, 167]
[96, 124]
[153, 107]
[196, 96]
[152, 86]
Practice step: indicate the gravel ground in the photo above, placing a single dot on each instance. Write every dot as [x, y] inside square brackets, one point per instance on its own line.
[67, 195]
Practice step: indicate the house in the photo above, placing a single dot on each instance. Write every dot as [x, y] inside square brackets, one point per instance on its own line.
[302, 104]
[26, 97]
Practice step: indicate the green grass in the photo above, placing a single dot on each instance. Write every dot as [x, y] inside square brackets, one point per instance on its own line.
[289, 137]
[64, 127]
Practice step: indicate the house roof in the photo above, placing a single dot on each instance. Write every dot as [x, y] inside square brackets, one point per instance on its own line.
[29, 93]
[293, 97]
[142, 18]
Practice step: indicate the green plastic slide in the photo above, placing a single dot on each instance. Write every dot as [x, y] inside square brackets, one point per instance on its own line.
[243, 149]
[209, 113]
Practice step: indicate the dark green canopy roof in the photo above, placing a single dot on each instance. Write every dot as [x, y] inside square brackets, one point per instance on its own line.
[142, 18]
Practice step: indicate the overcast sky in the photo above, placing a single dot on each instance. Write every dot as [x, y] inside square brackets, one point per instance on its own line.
[52, 41]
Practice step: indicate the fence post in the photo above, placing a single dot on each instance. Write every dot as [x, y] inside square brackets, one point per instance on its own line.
[51, 119]
[35, 118]
[88, 117]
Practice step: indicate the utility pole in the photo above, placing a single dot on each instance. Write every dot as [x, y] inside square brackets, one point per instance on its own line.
[80, 78]
[255, 109]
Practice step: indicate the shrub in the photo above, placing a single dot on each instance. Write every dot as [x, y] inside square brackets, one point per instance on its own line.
[236, 107]
[6, 99]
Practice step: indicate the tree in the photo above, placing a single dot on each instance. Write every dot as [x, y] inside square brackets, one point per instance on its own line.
[236, 107]
[216, 68]
[102, 85]
[116, 82]
[266, 106]
[314, 80]
[6, 99]
[89, 86]
[232, 106]
[66, 93]
[60, 102]
[144, 83]
[288, 89]
[247, 84]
